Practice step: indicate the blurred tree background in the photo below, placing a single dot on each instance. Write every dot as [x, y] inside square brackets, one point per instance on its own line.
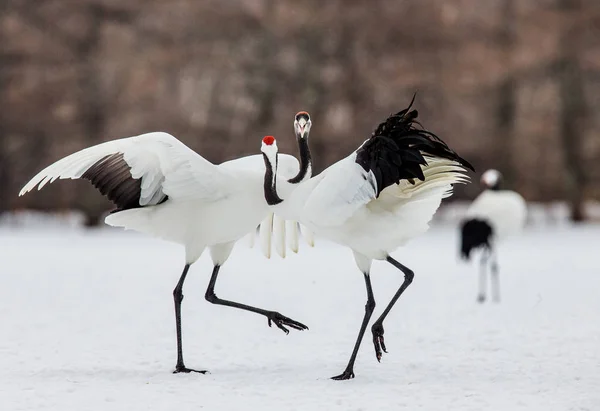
[509, 84]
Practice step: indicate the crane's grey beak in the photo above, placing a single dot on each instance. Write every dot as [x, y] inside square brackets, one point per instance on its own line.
[302, 129]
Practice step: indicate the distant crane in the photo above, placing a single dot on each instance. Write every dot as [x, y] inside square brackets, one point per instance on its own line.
[163, 188]
[373, 201]
[494, 215]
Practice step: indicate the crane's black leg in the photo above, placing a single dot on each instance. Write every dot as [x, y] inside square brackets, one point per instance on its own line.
[272, 316]
[178, 297]
[369, 307]
[482, 276]
[377, 328]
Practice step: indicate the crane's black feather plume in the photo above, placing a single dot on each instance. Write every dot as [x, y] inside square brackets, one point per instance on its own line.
[474, 233]
[397, 149]
[111, 175]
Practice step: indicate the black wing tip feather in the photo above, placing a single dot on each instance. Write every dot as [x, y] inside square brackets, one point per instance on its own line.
[111, 175]
[396, 149]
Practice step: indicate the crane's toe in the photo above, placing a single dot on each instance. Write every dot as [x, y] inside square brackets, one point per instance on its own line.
[184, 369]
[281, 321]
[378, 341]
[348, 374]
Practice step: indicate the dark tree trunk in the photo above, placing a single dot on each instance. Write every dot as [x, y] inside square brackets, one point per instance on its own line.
[506, 108]
[572, 109]
[92, 109]
[267, 93]
[4, 166]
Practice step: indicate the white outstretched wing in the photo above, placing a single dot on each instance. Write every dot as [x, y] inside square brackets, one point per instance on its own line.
[165, 166]
[144, 170]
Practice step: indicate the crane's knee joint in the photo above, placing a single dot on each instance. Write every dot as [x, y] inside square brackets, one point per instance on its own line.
[211, 297]
[370, 305]
[177, 295]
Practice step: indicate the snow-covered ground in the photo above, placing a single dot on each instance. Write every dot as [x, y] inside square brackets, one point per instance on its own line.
[87, 323]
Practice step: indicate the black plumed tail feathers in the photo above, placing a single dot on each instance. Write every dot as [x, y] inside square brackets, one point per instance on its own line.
[396, 150]
[475, 233]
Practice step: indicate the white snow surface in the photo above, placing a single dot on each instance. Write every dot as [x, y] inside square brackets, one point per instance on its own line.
[87, 323]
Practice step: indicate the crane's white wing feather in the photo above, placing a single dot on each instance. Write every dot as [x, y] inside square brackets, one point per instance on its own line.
[346, 187]
[251, 238]
[264, 235]
[339, 193]
[308, 235]
[279, 235]
[164, 164]
[291, 231]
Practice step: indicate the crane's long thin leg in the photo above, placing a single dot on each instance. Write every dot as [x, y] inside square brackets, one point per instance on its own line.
[178, 297]
[482, 276]
[280, 320]
[369, 307]
[495, 280]
[377, 328]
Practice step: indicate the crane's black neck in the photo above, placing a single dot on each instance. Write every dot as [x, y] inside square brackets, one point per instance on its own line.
[497, 186]
[305, 162]
[270, 183]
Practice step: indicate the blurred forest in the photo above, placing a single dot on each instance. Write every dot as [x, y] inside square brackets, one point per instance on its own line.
[509, 84]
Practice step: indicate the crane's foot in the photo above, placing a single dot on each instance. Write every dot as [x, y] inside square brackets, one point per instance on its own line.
[179, 368]
[481, 298]
[378, 341]
[281, 321]
[348, 374]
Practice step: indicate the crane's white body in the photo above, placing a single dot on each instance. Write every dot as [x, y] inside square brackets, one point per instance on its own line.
[504, 210]
[341, 204]
[209, 205]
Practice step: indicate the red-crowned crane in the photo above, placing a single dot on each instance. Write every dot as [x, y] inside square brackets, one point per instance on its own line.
[493, 216]
[163, 188]
[373, 201]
